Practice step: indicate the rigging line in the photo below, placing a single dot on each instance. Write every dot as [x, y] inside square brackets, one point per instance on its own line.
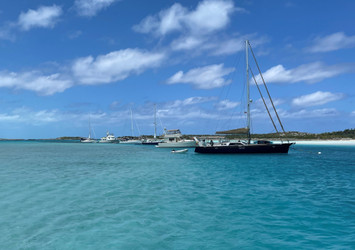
[266, 88]
[161, 124]
[139, 132]
[262, 97]
[227, 90]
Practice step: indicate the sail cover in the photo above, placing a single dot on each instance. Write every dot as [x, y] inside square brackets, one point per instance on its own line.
[234, 131]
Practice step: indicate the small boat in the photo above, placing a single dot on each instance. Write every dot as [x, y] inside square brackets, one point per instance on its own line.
[179, 151]
[88, 140]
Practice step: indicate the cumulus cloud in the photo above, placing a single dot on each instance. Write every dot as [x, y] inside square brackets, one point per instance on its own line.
[115, 66]
[103, 69]
[310, 73]
[335, 41]
[9, 117]
[190, 101]
[215, 45]
[305, 113]
[91, 7]
[196, 27]
[209, 16]
[227, 104]
[29, 116]
[35, 81]
[43, 17]
[207, 77]
[316, 99]
[187, 43]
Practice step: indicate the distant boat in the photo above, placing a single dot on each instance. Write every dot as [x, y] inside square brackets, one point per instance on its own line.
[109, 138]
[151, 141]
[131, 141]
[88, 139]
[154, 141]
[242, 147]
[179, 151]
[172, 139]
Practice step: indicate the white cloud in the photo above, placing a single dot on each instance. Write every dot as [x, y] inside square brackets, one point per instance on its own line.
[165, 22]
[7, 117]
[28, 116]
[227, 104]
[196, 27]
[6, 32]
[332, 42]
[115, 66]
[216, 45]
[317, 98]
[91, 7]
[35, 81]
[180, 116]
[171, 19]
[236, 44]
[209, 16]
[304, 113]
[190, 101]
[352, 113]
[75, 34]
[44, 17]
[259, 104]
[207, 77]
[108, 68]
[187, 43]
[310, 73]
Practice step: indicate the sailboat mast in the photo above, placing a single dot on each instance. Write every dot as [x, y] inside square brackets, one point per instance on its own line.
[248, 88]
[155, 121]
[89, 127]
[131, 122]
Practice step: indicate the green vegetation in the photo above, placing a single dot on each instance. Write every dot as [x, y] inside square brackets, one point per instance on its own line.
[345, 134]
[69, 138]
[294, 135]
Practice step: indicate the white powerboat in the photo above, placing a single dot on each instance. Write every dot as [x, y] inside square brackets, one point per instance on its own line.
[172, 139]
[109, 138]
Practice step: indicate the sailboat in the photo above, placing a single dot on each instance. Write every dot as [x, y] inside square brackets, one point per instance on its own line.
[88, 139]
[154, 141]
[131, 141]
[248, 146]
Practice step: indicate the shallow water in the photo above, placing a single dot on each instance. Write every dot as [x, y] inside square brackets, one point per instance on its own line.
[103, 196]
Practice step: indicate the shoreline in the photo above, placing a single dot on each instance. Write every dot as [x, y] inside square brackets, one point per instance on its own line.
[333, 142]
[344, 142]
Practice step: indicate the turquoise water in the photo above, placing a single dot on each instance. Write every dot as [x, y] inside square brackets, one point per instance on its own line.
[102, 196]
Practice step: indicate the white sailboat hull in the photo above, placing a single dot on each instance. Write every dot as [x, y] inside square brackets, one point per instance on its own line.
[179, 144]
[131, 142]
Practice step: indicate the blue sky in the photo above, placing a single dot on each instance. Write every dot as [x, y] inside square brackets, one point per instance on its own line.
[66, 62]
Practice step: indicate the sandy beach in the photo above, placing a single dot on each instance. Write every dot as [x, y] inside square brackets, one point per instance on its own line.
[326, 142]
